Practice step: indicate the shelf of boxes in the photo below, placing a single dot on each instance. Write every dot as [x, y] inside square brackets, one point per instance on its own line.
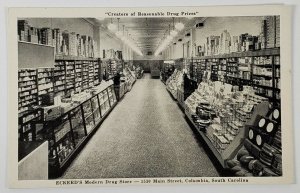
[78, 76]
[59, 78]
[260, 69]
[96, 72]
[85, 75]
[70, 77]
[45, 82]
[91, 74]
[27, 89]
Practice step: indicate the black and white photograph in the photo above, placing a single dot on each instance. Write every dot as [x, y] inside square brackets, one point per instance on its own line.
[151, 97]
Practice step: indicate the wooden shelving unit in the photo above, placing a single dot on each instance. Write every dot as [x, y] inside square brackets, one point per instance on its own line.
[227, 68]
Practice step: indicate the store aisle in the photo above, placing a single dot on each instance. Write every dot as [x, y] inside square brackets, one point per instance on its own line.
[146, 135]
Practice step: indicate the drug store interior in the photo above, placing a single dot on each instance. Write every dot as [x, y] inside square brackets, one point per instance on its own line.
[149, 97]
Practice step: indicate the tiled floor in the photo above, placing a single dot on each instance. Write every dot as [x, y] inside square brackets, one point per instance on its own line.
[146, 135]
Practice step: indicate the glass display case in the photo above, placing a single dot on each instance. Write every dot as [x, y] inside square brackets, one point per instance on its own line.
[104, 102]
[79, 132]
[96, 109]
[67, 133]
[88, 116]
[111, 95]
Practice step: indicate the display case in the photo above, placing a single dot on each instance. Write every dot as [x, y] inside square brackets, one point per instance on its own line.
[67, 133]
[78, 126]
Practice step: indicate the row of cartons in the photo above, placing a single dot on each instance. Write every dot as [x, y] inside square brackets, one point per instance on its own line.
[65, 43]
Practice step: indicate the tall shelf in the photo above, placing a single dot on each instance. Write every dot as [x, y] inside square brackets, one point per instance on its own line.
[259, 69]
[80, 73]
[45, 84]
[78, 76]
[27, 89]
[59, 78]
[70, 77]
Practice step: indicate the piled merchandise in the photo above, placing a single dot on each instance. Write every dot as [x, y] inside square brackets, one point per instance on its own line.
[261, 154]
[219, 113]
[139, 72]
[174, 82]
[65, 43]
[66, 104]
[129, 78]
[167, 70]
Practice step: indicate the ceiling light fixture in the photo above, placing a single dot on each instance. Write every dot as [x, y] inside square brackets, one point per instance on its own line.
[126, 39]
[179, 26]
[173, 32]
[112, 27]
[100, 18]
[119, 33]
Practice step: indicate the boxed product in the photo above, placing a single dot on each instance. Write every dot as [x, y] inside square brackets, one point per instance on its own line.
[65, 107]
[51, 112]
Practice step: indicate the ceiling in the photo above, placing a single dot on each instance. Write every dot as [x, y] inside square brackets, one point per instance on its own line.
[147, 33]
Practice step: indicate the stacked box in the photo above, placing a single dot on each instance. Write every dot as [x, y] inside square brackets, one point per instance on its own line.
[234, 47]
[95, 49]
[23, 30]
[270, 35]
[277, 31]
[85, 45]
[54, 39]
[46, 36]
[65, 42]
[33, 35]
[81, 46]
[78, 44]
[72, 44]
[39, 33]
[263, 33]
[225, 42]
[57, 40]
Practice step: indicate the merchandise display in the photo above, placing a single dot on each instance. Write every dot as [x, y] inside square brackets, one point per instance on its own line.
[259, 69]
[139, 72]
[263, 147]
[174, 82]
[167, 70]
[221, 115]
[71, 121]
[129, 78]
